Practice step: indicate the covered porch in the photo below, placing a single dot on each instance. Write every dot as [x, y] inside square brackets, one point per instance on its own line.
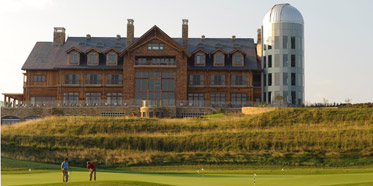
[12, 99]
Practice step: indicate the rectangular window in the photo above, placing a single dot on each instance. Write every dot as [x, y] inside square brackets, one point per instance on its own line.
[238, 100]
[292, 42]
[74, 58]
[155, 61]
[218, 57]
[195, 100]
[285, 60]
[155, 46]
[269, 97]
[285, 79]
[114, 79]
[200, 57]
[156, 87]
[238, 59]
[265, 80]
[93, 79]
[72, 78]
[112, 58]
[114, 98]
[217, 79]
[269, 79]
[43, 101]
[285, 96]
[93, 98]
[269, 61]
[292, 60]
[196, 79]
[285, 42]
[93, 58]
[264, 62]
[39, 78]
[293, 80]
[264, 97]
[239, 80]
[70, 98]
[293, 97]
[217, 100]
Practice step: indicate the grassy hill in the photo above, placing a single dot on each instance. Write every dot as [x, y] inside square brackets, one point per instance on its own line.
[286, 136]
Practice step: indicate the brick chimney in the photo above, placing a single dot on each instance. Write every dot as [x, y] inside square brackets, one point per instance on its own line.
[185, 33]
[233, 37]
[203, 37]
[130, 32]
[59, 35]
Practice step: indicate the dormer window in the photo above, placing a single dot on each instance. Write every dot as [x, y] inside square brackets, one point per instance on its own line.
[238, 59]
[218, 59]
[74, 58]
[200, 59]
[111, 58]
[93, 58]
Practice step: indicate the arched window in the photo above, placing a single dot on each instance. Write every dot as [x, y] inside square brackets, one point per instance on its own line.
[237, 59]
[74, 58]
[111, 58]
[218, 59]
[93, 58]
[200, 58]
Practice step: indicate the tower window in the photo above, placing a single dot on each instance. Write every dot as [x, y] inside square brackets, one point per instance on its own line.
[264, 61]
[285, 60]
[285, 42]
[292, 60]
[269, 61]
[293, 80]
[292, 42]
[269, 79]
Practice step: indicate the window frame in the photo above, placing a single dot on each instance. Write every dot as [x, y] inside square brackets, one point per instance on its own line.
[201, 54]
[222, 58]
[96, 58]
[234, 56]
[77, 57]
[115, 58]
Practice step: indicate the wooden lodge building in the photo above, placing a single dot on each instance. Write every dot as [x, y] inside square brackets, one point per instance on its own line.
[153, 75]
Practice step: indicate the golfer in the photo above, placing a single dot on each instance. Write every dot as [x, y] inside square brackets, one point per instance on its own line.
[92, 170]
[64, 168]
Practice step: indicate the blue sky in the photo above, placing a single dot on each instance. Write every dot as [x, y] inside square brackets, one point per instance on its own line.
[338, 34]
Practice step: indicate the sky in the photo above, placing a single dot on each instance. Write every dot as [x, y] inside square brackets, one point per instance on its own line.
[338, 34]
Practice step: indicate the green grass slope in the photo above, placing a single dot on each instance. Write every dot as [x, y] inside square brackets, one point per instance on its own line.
[286, 136]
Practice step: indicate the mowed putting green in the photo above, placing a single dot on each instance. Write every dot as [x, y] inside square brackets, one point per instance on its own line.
[15, 172]
[183, 179]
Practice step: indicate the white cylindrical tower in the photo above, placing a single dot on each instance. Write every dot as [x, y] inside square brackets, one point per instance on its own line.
[283, 56]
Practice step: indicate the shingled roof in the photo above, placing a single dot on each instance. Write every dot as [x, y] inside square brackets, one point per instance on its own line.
[48, 55]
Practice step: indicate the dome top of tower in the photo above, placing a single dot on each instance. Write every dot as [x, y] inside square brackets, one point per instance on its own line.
[283, 13]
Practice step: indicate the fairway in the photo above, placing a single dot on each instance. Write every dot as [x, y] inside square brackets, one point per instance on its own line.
[184, 179]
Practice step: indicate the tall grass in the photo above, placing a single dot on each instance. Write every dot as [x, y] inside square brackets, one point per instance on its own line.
[288, 136]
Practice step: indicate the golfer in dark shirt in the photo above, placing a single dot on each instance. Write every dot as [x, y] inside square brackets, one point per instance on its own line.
[92, 170]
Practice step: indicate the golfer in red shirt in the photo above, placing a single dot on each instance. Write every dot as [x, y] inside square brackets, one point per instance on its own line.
[92, 170]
